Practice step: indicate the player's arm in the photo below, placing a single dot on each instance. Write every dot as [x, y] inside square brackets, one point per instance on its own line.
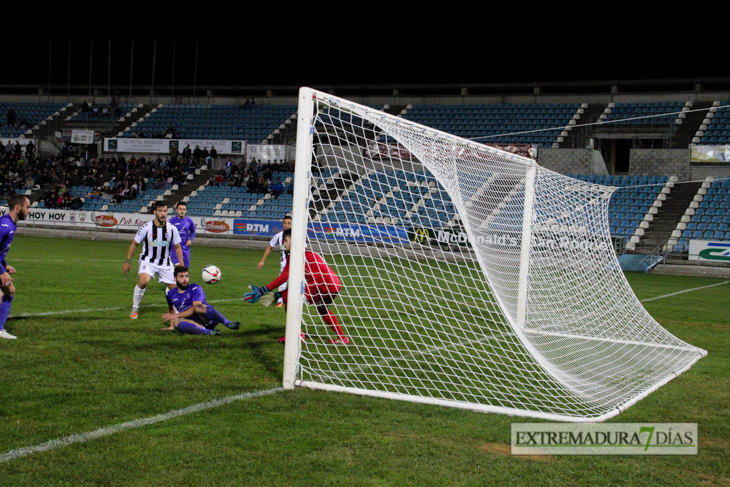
[5, 279]
[130, 253]
[169, 310]
[256, 292]
[184, 314]
[268, 250]
[191, 233]
[178, 252]
[178, 248]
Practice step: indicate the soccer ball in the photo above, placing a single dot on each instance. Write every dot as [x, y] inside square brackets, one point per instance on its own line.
[211, 274]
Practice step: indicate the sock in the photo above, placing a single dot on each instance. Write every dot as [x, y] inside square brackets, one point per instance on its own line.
[138, 293]
[214, 315]
[190, 328]
[5, 310]
[331, 320]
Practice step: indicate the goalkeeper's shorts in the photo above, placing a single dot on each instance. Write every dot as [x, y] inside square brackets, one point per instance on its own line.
[318, 299]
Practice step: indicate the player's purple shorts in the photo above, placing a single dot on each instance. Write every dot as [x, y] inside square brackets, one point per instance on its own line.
[197, 319]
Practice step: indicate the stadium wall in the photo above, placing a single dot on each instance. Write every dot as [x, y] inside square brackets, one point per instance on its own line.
[660, 162]
[698, 173]
[572, 161]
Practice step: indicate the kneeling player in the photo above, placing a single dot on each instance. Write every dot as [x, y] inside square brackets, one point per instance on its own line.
[195, 316]
[321, 289]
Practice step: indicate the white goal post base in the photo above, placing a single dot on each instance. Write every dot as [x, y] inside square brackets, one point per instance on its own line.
[487, 408]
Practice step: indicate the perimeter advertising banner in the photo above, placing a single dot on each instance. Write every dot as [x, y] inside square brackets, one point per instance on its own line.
[709, 251]
[265, 152]
[540, 241]
[709, 153]
[81, 137]
[257, 228]
[354, 232]
[163, 146]
[88, 220]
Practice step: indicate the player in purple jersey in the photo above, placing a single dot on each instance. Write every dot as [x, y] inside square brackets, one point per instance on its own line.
[194, 315]
[186, 229]
[18, 209]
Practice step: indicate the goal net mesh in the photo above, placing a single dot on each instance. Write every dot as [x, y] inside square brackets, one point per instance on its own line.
[470, 277]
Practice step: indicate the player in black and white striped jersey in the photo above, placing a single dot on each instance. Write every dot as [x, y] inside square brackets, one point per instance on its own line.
[158, 237]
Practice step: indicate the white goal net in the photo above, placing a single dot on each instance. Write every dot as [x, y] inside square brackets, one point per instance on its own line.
[470, 277]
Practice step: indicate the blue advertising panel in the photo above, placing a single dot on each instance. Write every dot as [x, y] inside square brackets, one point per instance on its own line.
[354, 232]
[258, 228]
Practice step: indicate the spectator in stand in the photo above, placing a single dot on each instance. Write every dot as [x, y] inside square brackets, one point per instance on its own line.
[197, 153]
[174, 153]
[17, 149]
[212, 156]
[252, 186]
[276, 189]
[11, 117]
[218, 180]
[30, 149]
[229, 166]
[187, 153]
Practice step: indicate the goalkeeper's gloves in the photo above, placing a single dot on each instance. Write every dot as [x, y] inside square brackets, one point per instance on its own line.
[269, 298]
[256, 293]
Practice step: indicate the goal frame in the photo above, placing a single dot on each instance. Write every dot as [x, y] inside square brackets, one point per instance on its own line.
[300, 219]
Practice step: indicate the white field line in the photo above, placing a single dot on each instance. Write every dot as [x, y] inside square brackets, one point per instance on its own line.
[682, 292]
[91, 310]
[137, 423]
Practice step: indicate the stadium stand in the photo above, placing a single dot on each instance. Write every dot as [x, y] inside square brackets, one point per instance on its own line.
[707, 218]
[631, 202]
[241, 195]
[27, 115]
[657, 113]
[493, 121]
[213, 121]
[715, 129]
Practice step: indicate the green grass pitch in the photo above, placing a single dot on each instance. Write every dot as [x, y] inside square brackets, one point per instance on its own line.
[92, 367]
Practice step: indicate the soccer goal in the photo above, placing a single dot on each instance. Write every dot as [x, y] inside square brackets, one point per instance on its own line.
[471, 277]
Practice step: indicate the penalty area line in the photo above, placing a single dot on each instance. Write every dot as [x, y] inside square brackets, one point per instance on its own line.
[137, 423]
[682, 292]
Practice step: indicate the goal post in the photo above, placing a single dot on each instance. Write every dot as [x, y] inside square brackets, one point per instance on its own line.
[470, 277]
[300, 218]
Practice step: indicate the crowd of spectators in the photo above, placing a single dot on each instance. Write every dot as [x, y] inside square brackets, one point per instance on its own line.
[113, 178]
[255, 176]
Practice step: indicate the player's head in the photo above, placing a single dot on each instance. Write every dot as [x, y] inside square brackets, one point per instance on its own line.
[286, 239]
[160, 211]
[20, 204]
[181, 209]
[286, 222]
[182, 277]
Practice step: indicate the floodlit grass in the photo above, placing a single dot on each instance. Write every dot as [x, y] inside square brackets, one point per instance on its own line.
[81, 371]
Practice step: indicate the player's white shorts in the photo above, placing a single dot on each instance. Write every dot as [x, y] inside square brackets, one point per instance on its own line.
[166, 273]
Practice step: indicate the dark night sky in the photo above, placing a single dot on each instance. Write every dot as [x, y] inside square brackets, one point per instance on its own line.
[371, 43]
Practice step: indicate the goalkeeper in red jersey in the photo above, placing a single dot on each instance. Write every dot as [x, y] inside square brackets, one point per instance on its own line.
[321, 289]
